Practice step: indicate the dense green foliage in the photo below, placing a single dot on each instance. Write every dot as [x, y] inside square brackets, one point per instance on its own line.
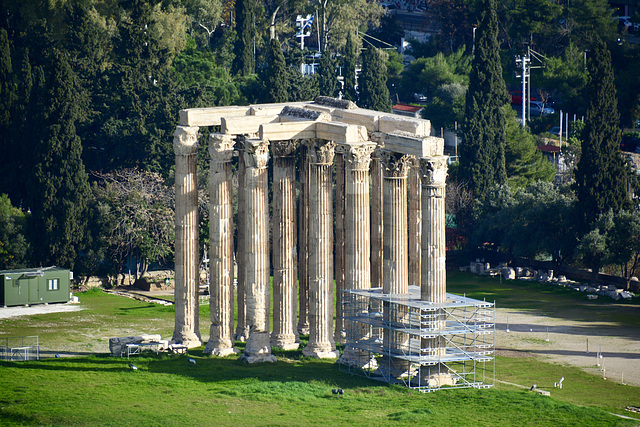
[276, 79]
[349, 62]
[135, 63]
[482, 163]
[58, 190]
[14, 246]
[374, 93]
[600, 173]
[328, 80]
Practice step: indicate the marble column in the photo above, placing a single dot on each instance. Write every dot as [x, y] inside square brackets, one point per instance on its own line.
[395, 279]
[242, 330]
[339, 251]
[415, 223]
[221, 246]
[434, 175]
[303, 244]
[256, 257]
[321, 343]
[187, 277]
[284, 245]
[434, 287]
[376, 223]
[357, 244]
[357, 218]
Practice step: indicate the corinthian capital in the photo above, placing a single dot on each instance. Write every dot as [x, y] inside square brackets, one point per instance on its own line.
[221, 147]
[433, 171]
[395, 165]
[256, 153]
[358, 156]
[320, 152]
[185, 140]
[284, 148]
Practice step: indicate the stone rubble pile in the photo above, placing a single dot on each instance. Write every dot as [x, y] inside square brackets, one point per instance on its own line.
[529, 274]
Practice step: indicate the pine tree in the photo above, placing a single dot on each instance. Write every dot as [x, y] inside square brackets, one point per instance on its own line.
[349, 62]
[244, 63]
[276, 74]
[482, 160]
[328, 80]
[59, 188]
[374, 93]
[600, 173]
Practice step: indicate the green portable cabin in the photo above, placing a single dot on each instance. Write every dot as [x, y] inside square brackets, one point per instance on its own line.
[35, 286]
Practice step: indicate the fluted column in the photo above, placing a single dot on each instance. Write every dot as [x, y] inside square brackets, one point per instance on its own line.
[242, 330]
[395, 255]
[220, 246]
[284, 246]
[339, 243]
[434, 175]
[357, 243]
[434, 287]
[185, 145]
[395, 279]
[357, 218]
[321, 343]
[376, 223]
[303, 244]
[257, 291]
[415, 223]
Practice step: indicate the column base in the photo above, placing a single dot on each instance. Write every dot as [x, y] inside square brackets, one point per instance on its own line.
[190, 341]
[258, 347]
[321, 352]
[260, 358]
[303, 329]
[220, 348]
[285, 341]
[439, 380]
[241, 334]
[433, 377]
[357, 359]
[391, 367]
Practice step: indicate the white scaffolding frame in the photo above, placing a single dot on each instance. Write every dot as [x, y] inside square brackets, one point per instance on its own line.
[399, 339]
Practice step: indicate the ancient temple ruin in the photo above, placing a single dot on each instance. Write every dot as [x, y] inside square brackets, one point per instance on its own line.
[377, 229]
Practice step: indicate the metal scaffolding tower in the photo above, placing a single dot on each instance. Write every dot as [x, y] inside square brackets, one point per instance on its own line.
[399, 339]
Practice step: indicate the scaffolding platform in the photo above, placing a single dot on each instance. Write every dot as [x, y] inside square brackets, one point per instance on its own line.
[400, 339]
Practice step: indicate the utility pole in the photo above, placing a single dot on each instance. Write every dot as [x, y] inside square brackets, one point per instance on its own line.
[523, 61]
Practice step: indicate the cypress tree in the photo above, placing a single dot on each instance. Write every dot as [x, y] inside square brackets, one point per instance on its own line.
[600, 173]
[482, 160]
[244, 63]
[374, 93]
[328, 81]
[7, 93]
[59, 188]
[277, 74]
[349, 69]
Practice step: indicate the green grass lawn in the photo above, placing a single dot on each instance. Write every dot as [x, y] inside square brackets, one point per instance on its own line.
[103, 390]
[100, 390]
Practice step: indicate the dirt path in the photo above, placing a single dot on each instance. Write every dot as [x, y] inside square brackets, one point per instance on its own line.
[568, 340]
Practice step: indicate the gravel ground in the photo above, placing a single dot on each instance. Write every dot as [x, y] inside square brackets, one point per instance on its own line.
[8, 312]
[565, 340]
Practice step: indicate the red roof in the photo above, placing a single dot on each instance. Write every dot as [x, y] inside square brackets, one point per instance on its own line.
[407, 107]
[548, 148]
